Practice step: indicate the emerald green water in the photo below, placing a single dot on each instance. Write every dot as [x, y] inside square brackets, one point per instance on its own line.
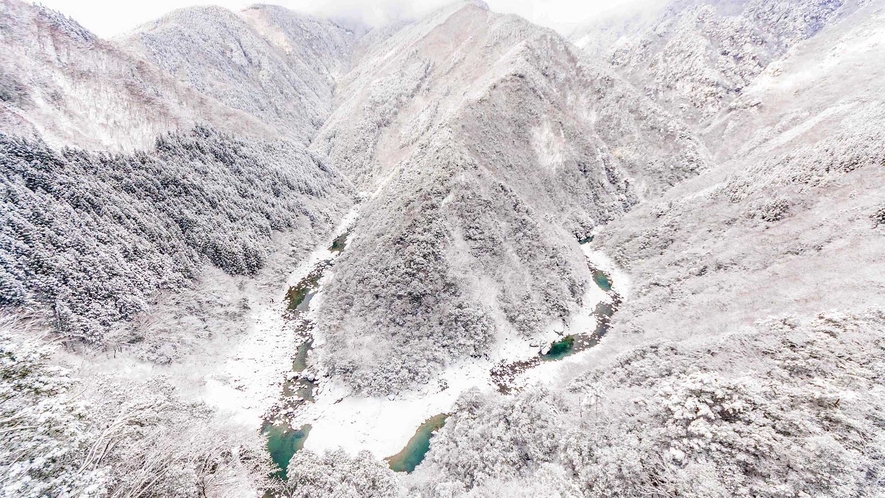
[339, 243]
[299, 296]
[282, 443]
[300, 362]
[602, 280]
[560, 349]
[574, 343]
[413, 454]
[296, 296]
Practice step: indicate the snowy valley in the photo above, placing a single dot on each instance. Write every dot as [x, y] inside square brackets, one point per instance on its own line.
[264, 253]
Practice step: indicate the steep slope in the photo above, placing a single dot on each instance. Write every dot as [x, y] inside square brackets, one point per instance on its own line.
[695, 56]
[747, 359]
[492, 147]
[145, 284]
[806, 93]
[274, 64]
[93, 238]
[313, 44]
[802, 194]
[65, 85]
[788, 407]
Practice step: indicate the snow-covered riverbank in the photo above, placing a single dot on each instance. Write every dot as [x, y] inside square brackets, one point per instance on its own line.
[247, 380]
[383, 426]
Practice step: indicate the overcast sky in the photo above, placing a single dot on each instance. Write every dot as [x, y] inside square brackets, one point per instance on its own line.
[112, 17]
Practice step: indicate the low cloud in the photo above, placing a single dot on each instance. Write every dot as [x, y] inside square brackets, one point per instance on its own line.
[374, 14]
[108, 18]
[561, 15]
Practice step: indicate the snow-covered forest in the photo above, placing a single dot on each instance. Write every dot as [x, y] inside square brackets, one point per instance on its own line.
[91, 237]
[789, 407]
[70, 434]
[263, 253]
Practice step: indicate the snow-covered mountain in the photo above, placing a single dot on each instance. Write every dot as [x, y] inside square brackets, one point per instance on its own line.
[646, 260]
[65, 85]
[748, 350]
[803, 187]
[696, 56]
[468, 127]
[278, 66]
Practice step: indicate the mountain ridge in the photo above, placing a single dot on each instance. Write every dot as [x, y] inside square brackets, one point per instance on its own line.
[86, 91]
[389, 137]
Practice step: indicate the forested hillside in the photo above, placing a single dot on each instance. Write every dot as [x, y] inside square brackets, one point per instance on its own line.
[789, 407]
[90, 237]
[696, 56]
[90, 431]
[489, 158]
[69, 87]
[746, 360]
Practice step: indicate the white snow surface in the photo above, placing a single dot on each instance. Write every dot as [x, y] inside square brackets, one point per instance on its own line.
[248, 380]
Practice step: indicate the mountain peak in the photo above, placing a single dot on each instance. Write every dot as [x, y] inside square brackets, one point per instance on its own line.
[479, 3]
